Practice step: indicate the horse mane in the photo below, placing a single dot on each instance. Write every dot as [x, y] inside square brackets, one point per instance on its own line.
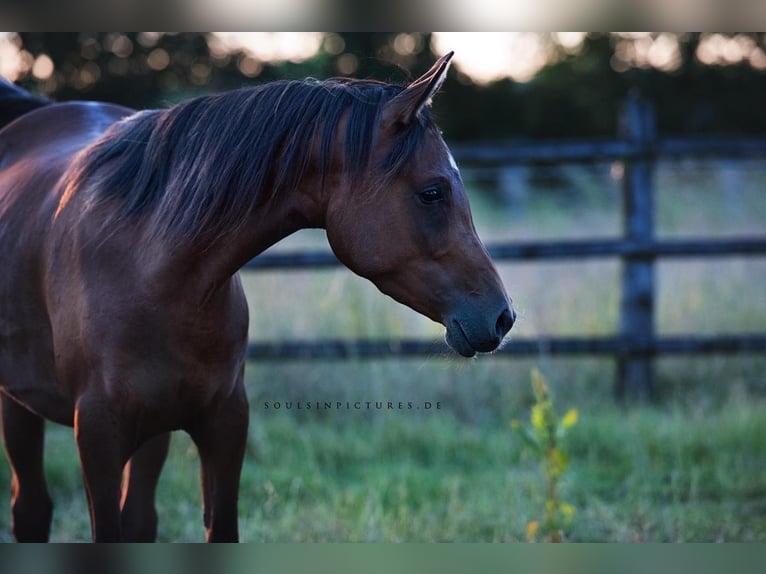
[200, 167]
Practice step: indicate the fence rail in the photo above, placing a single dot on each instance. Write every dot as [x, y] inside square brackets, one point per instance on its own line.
[636, 343]
[526, 250]
[593, 151]
[382, 348]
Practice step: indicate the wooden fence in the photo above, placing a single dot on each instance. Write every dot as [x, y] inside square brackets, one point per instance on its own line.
[636, 342]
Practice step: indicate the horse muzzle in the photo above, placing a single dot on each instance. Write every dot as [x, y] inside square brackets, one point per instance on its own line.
[470, 333]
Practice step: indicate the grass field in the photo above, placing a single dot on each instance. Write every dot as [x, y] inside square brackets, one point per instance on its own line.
[690, 468]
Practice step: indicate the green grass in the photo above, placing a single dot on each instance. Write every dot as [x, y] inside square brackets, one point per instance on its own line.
[650, 474]
[692, 468]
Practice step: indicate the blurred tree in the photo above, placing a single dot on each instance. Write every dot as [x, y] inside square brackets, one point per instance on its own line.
[578, 94]
[389, 57]
[129, 69]
[149, 69]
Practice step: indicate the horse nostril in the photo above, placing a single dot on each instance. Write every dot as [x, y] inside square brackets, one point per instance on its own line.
[505, 322]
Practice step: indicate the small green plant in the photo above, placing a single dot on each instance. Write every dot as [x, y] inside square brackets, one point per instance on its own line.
[544, 440]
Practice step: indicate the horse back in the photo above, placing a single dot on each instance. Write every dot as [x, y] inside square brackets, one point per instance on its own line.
[35, 151]
[59, 130]
[15, 102]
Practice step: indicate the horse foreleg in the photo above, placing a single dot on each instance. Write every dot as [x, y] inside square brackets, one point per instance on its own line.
[103, 454]
[221, 436]
[139, 515]
[31, 505]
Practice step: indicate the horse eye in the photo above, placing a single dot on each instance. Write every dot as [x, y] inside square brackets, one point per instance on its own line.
[431, 194]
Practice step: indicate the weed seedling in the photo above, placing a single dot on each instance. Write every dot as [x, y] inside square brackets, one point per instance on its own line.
[543, 439]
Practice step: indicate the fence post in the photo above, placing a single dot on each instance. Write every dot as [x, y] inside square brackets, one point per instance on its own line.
[635, 371]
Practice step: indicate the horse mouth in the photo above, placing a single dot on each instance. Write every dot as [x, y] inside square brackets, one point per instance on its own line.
[458, 340]
[465, 341]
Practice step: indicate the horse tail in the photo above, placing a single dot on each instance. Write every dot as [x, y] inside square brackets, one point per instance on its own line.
[15, 102]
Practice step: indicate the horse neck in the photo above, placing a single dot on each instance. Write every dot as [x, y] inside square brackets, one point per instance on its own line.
[214, 264]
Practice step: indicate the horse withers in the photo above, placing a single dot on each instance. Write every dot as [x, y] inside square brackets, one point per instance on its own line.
[121, 237]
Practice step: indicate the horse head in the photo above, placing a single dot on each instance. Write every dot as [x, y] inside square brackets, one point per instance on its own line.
[410, 230]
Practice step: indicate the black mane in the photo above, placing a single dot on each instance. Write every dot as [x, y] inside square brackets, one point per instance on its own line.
[200, 167]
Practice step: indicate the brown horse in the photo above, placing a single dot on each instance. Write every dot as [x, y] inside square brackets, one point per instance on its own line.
[121, 237]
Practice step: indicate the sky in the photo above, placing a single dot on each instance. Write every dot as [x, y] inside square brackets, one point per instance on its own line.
[482, 56]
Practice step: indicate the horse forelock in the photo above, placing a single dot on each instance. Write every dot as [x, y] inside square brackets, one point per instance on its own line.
[200, 167]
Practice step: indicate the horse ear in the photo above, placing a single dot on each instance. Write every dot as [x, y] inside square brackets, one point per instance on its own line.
[405, 107]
